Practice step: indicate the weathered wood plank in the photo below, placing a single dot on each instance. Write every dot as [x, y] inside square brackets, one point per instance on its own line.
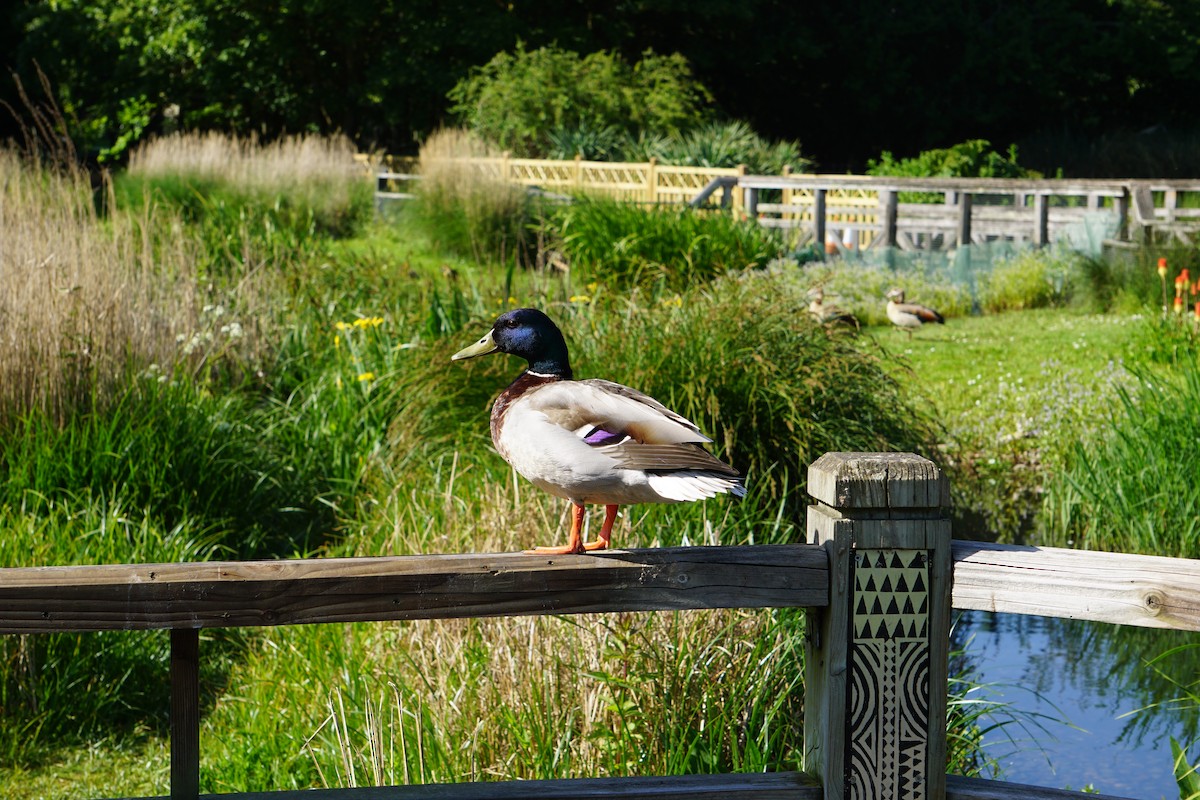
[233, 594]
[755, 786]
[185, 714]
[1149, 591]
[960, 788]
[759, 786]
[877, 481]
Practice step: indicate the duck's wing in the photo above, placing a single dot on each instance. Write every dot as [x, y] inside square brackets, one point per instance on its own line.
[923, 313]
[602, 410]
[632, 428]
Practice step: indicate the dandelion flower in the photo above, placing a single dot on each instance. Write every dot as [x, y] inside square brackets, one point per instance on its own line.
[366, 376]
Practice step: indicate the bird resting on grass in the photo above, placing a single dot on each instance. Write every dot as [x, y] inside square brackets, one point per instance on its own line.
[909, 316]
[592, 441]
[828, 315]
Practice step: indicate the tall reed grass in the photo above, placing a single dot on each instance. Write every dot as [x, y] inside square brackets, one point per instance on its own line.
[306, 175]
[467, 212]
[1134, 488]
[83, 300]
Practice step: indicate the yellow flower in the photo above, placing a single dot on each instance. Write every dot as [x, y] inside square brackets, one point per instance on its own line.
[512, 301]
[675, 301]
[581, 298]
[368, 322]
[342, 326]
[593, 286]
[366, 376]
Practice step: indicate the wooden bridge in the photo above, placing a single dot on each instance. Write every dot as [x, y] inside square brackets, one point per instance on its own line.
[879, 576]
[862, 212]
[943, 213]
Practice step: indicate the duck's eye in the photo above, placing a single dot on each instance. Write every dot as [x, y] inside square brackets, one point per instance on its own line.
[511, 323]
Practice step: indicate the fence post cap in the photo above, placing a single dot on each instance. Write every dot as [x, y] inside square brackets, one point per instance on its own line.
[877, 481]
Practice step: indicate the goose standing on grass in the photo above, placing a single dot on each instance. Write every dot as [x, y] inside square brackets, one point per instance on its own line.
[592, 441]
[909, 316]
[828, 315]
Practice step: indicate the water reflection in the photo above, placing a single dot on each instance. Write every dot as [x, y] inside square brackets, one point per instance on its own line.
[1094, 711]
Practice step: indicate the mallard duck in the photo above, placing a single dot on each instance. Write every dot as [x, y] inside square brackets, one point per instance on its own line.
[909, 316]
[828, 315]
[591, 441]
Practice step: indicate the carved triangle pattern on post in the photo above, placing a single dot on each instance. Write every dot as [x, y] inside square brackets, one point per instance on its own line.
[889, 660]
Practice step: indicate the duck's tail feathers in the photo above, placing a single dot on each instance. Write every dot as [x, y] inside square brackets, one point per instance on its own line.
[686, 485]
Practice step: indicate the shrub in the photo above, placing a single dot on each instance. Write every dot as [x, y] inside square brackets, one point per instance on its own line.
[969, 159]
[627, 245]
[517, 100]
[1030, 279]
[721, 144]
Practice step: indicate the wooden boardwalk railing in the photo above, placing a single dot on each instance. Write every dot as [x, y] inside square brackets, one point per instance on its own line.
[878, 579]
[860, 211]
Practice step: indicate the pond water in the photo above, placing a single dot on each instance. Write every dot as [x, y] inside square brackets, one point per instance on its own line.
[1079, 693]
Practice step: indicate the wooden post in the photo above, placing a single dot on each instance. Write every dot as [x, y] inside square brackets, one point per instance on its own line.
[185, 714]
[964, 218]
[889, 207]
[1041, 215]
[876, 658]
[577, 172]
[751, 201]
[819, 219]
[652, 180]
[1123, 215]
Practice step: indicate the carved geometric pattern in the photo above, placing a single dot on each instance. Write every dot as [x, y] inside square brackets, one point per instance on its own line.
[888, 706]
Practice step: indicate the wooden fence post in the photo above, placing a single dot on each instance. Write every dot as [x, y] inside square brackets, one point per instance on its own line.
[185, 714]
[1041, 214]
[889, 201]
[819, 219]
[876, 659]
[965, 201]
[652, 180]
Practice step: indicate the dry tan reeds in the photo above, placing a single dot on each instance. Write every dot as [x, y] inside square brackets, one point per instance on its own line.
[81, 298]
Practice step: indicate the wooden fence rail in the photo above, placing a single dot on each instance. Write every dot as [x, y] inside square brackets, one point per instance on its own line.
[878, 579]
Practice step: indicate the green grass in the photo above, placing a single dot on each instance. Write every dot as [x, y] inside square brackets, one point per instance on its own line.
[1013, 392]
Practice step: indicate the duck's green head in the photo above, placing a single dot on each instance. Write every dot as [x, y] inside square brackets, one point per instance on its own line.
[528, 333]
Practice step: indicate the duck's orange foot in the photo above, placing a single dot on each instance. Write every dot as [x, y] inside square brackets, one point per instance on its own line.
[559, 550]
[599, 544]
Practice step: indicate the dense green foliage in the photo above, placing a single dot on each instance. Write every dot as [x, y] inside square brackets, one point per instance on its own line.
[1071, 77]
[522, 100]
[625, 245]
[970, 159]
